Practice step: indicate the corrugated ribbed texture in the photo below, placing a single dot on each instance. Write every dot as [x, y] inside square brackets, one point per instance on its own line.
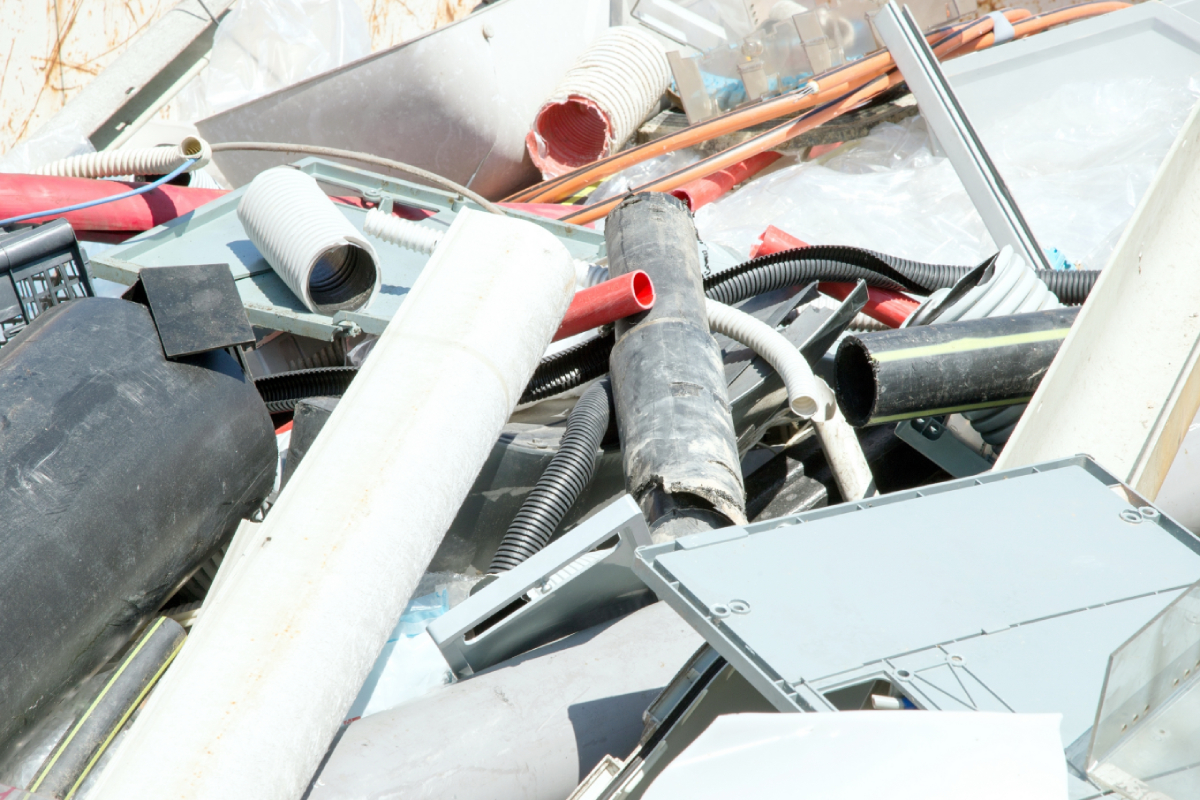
[601, 101]
[311, 246]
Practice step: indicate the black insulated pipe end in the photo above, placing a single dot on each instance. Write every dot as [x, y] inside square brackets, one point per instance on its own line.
[856, 384]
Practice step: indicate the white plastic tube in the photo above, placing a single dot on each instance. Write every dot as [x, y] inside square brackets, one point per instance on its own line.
[419, 238]
[311, 246]
[601, 101]
[134, 161]
[402, 232]
[260, 688]
[808, 396]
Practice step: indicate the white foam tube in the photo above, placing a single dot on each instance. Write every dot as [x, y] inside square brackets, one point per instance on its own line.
[309, 243]
[260, 688]
[419, 238]
[807, 395]
[600, 102]
[134, 161]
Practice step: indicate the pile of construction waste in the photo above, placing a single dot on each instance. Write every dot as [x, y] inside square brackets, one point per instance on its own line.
[594, 399]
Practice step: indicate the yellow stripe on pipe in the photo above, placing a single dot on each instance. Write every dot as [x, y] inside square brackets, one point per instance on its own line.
[971, 343]
[936, 412]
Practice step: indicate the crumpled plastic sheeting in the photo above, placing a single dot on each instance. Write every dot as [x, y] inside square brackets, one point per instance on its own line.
[50, 143]
[264, 45]
[639, 174]
[1077, 163]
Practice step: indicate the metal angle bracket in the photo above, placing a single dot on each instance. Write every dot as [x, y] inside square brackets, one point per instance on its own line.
[949, 124]
[572, 588]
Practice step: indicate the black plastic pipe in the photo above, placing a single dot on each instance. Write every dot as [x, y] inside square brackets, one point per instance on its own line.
[678, 445]
[122, 472]
[564, 480]
[73, 758]
[282, 390]
[949, 367]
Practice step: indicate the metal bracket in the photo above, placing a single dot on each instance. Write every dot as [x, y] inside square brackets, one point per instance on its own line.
[949, 124]
[564, 600]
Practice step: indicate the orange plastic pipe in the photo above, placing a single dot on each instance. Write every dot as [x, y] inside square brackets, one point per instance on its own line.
[830, 85]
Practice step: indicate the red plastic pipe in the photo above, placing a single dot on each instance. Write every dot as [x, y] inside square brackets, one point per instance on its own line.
[702, 191]
[631, 293]
[774, 240]
[890, 308]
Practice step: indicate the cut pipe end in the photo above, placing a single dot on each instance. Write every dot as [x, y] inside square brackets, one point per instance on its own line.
[197, 148]
[643, 290]
[804, 407]
[342, 279]
[856, 390]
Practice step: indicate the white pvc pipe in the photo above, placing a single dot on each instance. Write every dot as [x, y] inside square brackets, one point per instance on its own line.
[260, 688]
[134, 161]
[807, 396]
[311, 246]
[846, 459]
[600, 102]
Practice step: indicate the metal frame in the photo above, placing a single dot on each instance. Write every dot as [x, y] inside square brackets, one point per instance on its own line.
[562, 603]
[948, 122]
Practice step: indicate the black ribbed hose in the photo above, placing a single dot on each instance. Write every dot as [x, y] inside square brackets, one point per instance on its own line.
[562, 483]
[837, 263]
[589, 360]
[283, 390]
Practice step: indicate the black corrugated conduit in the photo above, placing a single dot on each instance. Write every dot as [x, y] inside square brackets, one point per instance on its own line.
[283, 390]
[562, 483]
[838, 263]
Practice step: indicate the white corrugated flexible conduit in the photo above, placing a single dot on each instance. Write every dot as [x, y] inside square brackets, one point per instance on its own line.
[600, 102]
[808, 396]
[419, 238]
[134, 161]
[1012, 288]
[311, 246]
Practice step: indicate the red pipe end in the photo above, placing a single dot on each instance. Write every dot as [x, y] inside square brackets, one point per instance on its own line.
[620, 297]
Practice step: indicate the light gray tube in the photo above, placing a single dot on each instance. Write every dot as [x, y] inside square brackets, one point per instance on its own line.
[527, 729]
[315, 250]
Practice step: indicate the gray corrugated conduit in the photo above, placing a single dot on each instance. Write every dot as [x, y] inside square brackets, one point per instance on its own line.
[311, 246]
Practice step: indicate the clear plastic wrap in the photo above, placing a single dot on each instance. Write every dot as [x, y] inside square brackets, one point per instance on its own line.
[411, 664]
[1077, 163]
[50, 143]
[264, 45]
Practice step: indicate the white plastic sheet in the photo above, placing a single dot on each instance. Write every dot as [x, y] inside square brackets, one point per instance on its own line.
[871, 755]
[1077, 163]
[264, 45]
[49, 144]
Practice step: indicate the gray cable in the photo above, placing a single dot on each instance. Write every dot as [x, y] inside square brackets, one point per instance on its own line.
[365, 158]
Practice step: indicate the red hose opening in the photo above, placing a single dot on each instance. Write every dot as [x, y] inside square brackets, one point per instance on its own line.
[568, 135]
[643, 290]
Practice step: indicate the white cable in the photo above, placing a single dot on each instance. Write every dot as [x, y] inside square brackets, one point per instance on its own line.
[135, 161]
[807, 396]
[311, 246]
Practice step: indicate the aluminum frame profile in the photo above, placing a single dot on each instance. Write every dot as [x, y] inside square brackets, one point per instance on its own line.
[144, 78]
[950, 125]
[601, 591]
